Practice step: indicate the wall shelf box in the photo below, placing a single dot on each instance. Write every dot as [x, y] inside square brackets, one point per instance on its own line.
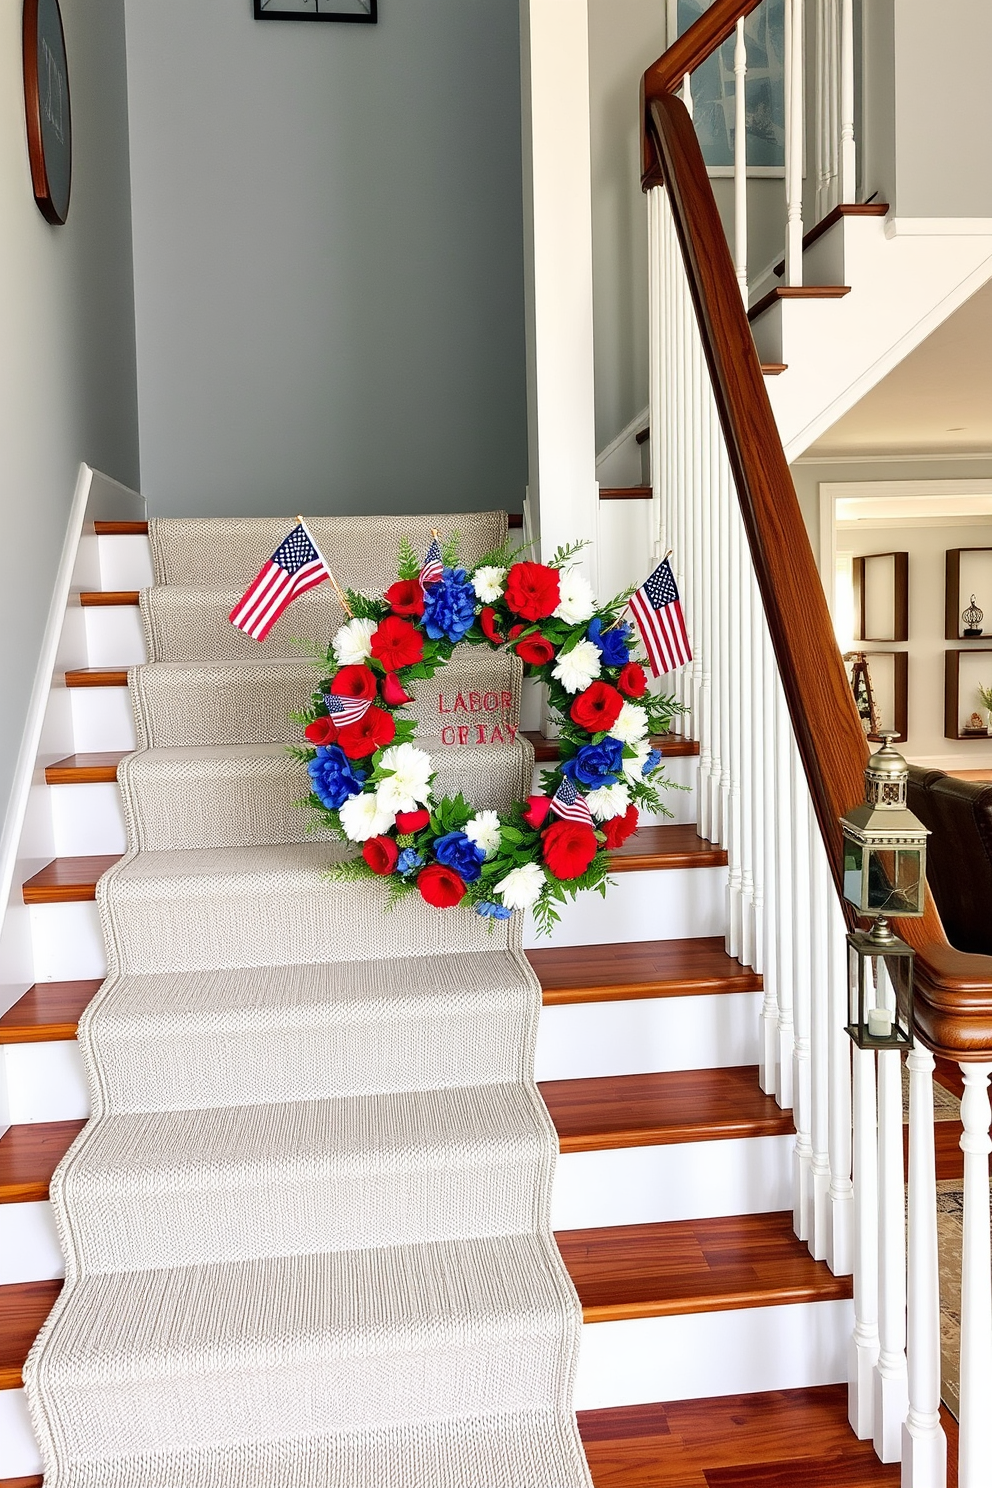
[889, 672]
[964, 669]
[881, 597]
[968, 571]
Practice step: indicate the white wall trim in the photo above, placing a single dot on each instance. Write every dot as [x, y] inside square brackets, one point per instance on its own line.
[938, 227]
[629, 431]
[945, 457]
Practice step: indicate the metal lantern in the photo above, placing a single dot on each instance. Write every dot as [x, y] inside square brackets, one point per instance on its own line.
[973, 618]
[884, 875]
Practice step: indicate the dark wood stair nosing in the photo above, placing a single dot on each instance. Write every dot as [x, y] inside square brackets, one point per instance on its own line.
[68, 880]
[98, 768]
[48, 1012]
[98, 599]
[837, 214]
[625, 493]
[797, 292]
[96, 677]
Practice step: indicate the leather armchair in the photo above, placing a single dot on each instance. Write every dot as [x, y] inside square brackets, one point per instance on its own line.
[959, 853]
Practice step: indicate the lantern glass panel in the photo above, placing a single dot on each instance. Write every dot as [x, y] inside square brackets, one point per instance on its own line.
[853, 866]
[894, 881]
[880, 991]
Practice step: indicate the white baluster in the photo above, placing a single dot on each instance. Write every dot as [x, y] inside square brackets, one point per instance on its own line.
[924, 1445]
[718, 455]
[747, 723]
[760, 748]
[827, 106]
[725, 526]
[736, 731]
[891, 1380]
[840, 1232]
[771, 963]
[740, 160]
[821, 892]
[863, 1348]
[794, 141]
[848, 146]
[785, 907]
[975, 1439]
[704, 644]
[694, 559]
[802, 998]
[657, 204]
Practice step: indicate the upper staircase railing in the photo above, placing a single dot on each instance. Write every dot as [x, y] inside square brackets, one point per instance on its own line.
[781, 758]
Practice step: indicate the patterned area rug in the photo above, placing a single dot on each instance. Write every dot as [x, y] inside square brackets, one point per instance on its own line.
[306, 1229]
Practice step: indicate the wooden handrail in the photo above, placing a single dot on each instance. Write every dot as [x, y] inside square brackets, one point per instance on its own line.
[954, 990]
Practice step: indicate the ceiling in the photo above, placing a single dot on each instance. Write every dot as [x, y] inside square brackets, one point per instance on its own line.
[938, 400]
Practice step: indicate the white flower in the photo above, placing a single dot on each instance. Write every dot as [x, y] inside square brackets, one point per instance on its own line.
[353, 642]
[364, 816]
[409, 786]
[521, 886]
[631, 725]
[634, 768]
[577, 601]
[608, 800]
[488, 583]
[483, 830]
[578, 667]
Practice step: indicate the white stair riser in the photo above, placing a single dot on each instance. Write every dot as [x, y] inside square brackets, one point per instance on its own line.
[114, 637]
[68, 942]
[672, 904]
[126, 563]
[695, 1355]
[45, 1081]
[635, 1185]
[684, 1180]
[688, 1356]
[578, 1041]
[101, 719]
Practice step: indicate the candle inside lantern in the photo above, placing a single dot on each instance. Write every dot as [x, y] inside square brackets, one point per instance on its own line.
[879, 1022]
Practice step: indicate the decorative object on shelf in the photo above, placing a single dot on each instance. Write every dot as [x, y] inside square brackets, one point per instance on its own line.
[864, 697]
[46, 104]
[985, 696]
[975, 727]
[884, 875]
[972, 618]
[317, 10]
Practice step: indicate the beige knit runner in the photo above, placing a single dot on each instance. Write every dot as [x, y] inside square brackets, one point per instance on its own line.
[307, 1227]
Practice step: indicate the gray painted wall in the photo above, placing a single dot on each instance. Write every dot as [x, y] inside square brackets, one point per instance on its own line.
[67, 387]
[328, 258]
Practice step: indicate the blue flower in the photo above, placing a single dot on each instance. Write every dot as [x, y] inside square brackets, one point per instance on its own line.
[408, 861]
[596, 764]
[334, 776]
[612, 643]
[456, 851]
[449, 606]
[493, 911]
[653, 759]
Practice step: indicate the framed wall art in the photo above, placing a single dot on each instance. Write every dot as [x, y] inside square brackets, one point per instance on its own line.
[46, 106]
[317, 10]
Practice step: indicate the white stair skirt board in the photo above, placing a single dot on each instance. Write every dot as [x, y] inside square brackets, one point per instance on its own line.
[577, 1041]
[19, 1455]
[687, 1180]
[29, 1243]
[670, 905]
[101, 719]
[45, 1082]
[87, 819]
[126, 563]
[694, 1355]
[114, 637]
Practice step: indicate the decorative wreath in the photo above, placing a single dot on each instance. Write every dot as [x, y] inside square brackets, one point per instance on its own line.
[371, 784]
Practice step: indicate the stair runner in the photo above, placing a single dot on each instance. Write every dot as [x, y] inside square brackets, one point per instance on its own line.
[306, 1229]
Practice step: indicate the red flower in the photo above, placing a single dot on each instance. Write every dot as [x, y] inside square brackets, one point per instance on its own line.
[381, 853]
[632, 682]
[367, 734]
[393, 691]
[397, 643]
[569, 847]
[323, 730]
[619, 828]
[532, 590]
[598, 708]
[535, 650]
[405, 597]
[440, 886]
[536, 811]
[354, 681]
[411, 821]
[488, 622]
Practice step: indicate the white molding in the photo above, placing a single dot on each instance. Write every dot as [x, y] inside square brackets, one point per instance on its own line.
[947, 457]
[629, 431]
[938, 227]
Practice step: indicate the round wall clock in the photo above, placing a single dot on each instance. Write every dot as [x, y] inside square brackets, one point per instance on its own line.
[46, 100]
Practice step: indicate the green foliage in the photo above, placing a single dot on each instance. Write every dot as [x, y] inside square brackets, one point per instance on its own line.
[565, 554]
[351, 870]
[365, 608]
[504, 556]
[409, 563]
[449, 550]
[450, 814]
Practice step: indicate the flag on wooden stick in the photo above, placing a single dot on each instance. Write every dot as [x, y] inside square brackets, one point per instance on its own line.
[658, 613]
[294, 567]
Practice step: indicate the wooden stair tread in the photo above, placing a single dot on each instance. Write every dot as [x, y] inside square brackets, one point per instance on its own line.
[29, 1155]
[671, 746]
[24, 1306]
[625, 493]
[95, 599]
[96, 677]
[783, 1438]
[798, 292]
[85, 769]
[697, 1265]
[634, 969]
[662, 1109]
[774, 369]
[48, 1012]
[68, 880]
[848, 209]
[120, 529]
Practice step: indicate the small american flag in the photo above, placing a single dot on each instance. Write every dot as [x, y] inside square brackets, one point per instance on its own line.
[656, 608]
[433, 569]
[345, 710]
[294, 567]
[568, 804]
